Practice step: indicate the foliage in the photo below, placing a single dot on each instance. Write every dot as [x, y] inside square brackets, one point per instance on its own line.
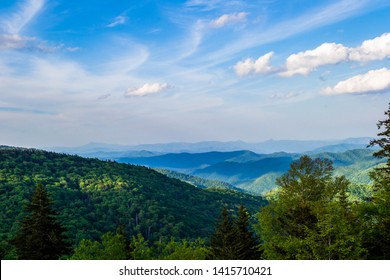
[40, 236]
[196, 181]
[94, 197]
[115, 247]
[310, 219]
[383, 142]
[112, 247]
[377, 213]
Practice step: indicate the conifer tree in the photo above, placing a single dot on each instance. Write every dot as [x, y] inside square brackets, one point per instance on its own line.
[232, 239]
[40, 236]
[384, 143]
[247, 243]
[378, 233]
[223, 241]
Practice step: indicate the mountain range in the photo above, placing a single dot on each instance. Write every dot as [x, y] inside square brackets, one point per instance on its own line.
[270, 146]
[238, 165]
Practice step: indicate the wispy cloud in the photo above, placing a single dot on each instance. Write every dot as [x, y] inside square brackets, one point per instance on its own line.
[14, 41]
[284, 96]
[119, 20]
[15, 22]
[104, 96]
[147, 89]
[25, 110]
[372, 81]
[209, 5]
[321, 16]
[228, 19]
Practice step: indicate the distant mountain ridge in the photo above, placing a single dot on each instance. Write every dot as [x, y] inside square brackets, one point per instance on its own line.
[266, 147]
[238, 163]
[253, 172]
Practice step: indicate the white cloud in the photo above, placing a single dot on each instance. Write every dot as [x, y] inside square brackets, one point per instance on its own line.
[372, 81]
[147, 89]
[15, 22]
[375, 49]
[304, 62]
[119, 20]
[228, 18]
[258, 66]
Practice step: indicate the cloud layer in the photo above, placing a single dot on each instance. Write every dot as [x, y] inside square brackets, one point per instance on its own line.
[372, 81]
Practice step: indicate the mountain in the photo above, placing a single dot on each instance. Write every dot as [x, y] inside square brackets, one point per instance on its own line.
[95, 196]
[185, 161]
[266, 147]
[256, 173]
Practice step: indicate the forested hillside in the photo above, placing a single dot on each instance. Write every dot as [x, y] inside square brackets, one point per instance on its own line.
[94, 197]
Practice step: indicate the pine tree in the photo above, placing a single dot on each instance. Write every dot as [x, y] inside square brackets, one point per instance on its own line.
[384, 143]
[232, 239]
[40, 236]
[378, 231]
[223, 241]
[247, 243]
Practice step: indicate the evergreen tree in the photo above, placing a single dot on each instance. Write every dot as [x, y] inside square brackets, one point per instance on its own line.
[378, 210]
[247, 243]
[232, 239]
[223, 245]
[40, 236]
[384, 143]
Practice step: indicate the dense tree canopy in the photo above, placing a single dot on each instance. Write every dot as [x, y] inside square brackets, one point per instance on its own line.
[94, 197]
[310, 219]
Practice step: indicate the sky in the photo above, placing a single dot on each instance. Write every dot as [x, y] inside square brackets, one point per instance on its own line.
[136, 72]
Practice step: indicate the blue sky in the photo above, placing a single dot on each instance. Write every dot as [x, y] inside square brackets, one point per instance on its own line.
[131, 72]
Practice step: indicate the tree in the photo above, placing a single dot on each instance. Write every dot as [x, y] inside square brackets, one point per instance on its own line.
[140, 249]
[112, 247]
[222, 242]
[40, 237]
[384, 143]
[301, 223]
[232, 239]
[181, 250]
[247, 242]
[378, 210]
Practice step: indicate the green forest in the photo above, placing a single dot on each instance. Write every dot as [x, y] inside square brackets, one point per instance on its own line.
[58, 206]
